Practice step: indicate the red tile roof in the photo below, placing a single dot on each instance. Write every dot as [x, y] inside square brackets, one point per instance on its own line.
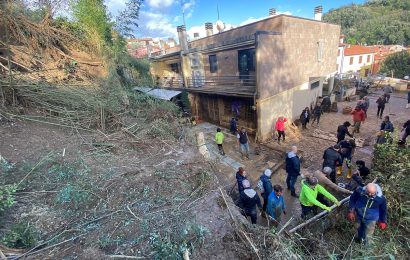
[351, 50]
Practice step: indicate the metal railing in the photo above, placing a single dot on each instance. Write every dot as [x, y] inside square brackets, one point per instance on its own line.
[170, 82]
[214, 81]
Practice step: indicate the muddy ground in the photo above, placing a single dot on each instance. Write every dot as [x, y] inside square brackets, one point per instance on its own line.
[164, 182]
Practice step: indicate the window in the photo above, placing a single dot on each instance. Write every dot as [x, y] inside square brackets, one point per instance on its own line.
[351, 61]
[315, 84]
[213, 64]
[174, 67]
[246, 62]
[195, 60]
[338, 52]
[368, 58]
[360, 59]
[319, 51]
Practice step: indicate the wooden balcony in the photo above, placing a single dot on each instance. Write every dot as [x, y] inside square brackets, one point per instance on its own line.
[170, 82]
[239, 85]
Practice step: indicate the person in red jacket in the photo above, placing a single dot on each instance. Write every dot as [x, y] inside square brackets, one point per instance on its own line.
[280, 127]
[358, 118]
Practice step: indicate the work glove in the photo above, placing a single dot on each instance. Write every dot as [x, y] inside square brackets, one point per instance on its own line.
[284, 212]
[382, 225]
[351, 216]
[337, 203]
[328, 209]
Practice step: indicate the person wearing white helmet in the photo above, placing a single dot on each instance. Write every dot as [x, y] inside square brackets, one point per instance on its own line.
[265, 186]
[249, 200]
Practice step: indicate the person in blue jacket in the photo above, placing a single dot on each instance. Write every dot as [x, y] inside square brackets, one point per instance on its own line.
[369, 207]
[267, 187]
[240, 176]
[276, 205]
[293, 170]
[249, 200]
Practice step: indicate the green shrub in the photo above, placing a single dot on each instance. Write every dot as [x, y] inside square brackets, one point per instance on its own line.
[21, 235]
[73, 196]
[7, 198]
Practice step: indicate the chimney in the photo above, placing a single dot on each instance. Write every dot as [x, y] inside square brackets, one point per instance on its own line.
[318, 13]
[209, 28]
[272, 12]
[196, 35]
[182, 37]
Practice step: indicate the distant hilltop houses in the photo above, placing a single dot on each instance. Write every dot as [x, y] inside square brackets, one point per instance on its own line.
[147, 47]
[363, 59]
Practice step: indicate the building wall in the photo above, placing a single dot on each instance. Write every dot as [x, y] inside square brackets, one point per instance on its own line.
[271, 24]
[305, 52]
[289, 103]
[291, 59]
[356, 66]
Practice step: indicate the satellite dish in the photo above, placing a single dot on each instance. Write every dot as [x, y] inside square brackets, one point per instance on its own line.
[220, 26]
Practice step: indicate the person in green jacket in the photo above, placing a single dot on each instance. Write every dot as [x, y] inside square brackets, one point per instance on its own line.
[219, 139]
[309, 199]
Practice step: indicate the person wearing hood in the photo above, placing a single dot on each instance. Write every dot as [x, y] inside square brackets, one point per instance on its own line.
[324, 180]
[359, 116]
[342, 131]
[267, 187]
[276, 205]
[292, 169]
[250, 199]
[240, 177]
[332, 159]
[309, 196]
[369, 207]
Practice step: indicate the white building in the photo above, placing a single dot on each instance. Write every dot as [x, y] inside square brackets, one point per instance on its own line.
[352, 58]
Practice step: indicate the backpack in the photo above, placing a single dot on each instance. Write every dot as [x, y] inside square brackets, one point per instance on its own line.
[260, 186]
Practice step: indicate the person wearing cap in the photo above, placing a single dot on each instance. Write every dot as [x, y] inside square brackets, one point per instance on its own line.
[323, 179]
[249, 200]
[267, 187]
[332, 159]
[309, 199]
[240, 177]
[292, 169]
[369, 207]
[276, 205]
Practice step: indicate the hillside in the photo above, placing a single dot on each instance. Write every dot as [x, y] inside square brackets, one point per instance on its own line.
[374, 22]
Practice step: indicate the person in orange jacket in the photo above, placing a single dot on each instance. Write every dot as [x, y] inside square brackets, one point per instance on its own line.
[358, 118]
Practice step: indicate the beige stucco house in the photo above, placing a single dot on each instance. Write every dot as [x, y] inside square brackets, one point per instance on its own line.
[257, 72]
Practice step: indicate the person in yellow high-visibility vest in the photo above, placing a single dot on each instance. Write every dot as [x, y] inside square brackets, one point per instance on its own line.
[311, 196]
[219, 139]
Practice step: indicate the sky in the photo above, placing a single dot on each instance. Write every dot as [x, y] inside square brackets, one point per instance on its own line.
[159, 18]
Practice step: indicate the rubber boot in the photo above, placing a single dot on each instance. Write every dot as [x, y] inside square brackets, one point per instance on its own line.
[349, 173]
[339, 170]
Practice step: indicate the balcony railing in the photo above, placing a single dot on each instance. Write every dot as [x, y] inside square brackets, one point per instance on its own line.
[220, 81]
[170, 82]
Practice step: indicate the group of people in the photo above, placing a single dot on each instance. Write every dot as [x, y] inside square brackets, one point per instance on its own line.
[367, 204]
